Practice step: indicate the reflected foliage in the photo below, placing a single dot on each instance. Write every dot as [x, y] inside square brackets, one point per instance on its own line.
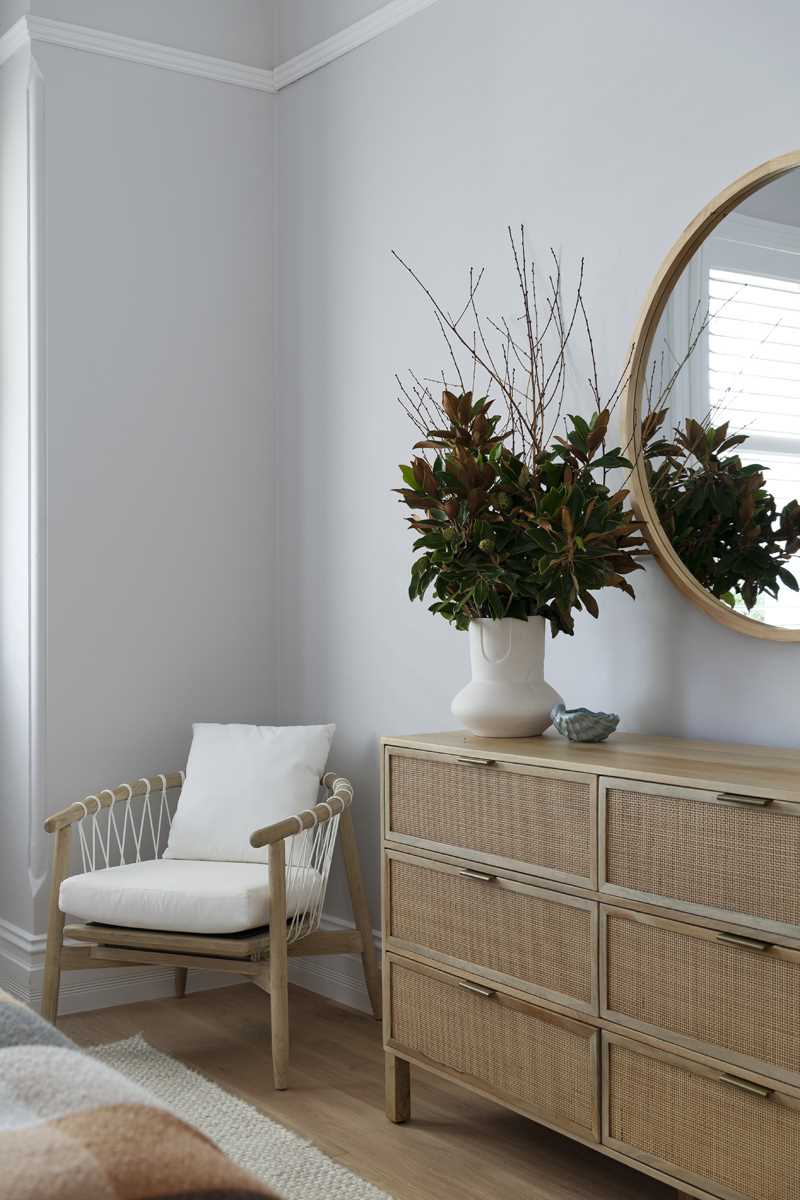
[717, 511]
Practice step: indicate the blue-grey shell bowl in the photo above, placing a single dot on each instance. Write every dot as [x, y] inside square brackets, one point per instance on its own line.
[583, 725]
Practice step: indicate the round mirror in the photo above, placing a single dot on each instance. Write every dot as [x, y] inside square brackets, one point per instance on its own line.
[713, 406]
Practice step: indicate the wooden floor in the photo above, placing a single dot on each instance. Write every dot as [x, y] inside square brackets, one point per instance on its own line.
[456, 1146]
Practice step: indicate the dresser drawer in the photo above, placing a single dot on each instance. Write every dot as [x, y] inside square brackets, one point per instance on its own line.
[539, 1062]
[718, 993]
[502, 814]
[693, 1123]
[512, 933]
[692, 850]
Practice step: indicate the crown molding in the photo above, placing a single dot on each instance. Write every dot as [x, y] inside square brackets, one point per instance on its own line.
[150, 54]
[31, 29]
[348, 39]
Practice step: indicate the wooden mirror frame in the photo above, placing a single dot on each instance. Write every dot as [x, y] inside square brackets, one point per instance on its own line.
[660, 291]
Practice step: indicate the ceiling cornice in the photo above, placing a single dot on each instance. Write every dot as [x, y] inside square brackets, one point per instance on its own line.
[348, 39]
[31, 29]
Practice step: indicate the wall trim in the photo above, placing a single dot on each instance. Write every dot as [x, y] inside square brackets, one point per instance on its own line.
[347, 39]
[38, 841]
[31, 29]
[151, 54]
[756, 231]
[12, 936]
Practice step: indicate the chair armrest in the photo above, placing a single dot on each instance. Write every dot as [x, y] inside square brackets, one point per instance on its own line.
[126, 791]
[340, 796]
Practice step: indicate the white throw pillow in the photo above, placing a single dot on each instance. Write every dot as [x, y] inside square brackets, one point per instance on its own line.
[240, 778]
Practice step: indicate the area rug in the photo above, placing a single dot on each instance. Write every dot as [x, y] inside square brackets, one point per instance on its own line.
[284, 1161]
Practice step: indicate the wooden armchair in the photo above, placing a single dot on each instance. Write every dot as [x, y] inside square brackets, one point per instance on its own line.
[130, 824]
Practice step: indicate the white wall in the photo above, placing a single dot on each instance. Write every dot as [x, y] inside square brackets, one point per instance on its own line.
[160, 410]
[11, 11]
[589, 123]
[159, 544]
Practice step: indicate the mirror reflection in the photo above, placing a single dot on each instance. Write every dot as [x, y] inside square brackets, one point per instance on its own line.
[721, 413]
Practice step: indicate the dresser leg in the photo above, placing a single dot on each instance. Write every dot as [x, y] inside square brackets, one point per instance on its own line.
[398, 1089]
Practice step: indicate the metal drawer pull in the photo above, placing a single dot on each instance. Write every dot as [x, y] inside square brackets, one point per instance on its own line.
[487, 993]
[737, 939]
[744, 1085]
[476, 762]
[752, 801]
[481, 876]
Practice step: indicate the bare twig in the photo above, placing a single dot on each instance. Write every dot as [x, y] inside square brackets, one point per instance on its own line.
[526, 373]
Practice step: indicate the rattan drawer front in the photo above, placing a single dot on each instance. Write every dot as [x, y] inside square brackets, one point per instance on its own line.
[682, 848]
[736, 1000]
[505, 815]
[537, 1061]
[683, 1118]
[515, 934]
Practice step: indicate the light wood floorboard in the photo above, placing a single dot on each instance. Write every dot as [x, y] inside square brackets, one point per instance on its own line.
[456, 1146]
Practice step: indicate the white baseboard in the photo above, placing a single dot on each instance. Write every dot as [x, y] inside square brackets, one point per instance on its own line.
[338, 977]
[335, 976]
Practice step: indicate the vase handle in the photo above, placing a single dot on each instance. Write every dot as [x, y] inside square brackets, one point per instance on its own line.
[506, 629]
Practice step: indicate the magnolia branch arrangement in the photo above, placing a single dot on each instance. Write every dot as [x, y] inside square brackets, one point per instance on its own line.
[509, 494]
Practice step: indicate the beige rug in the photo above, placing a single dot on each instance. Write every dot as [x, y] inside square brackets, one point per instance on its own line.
[284, 1161]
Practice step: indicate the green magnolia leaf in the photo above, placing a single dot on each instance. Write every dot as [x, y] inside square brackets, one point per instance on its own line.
[408, 477]
[499, 535]
[720, 514]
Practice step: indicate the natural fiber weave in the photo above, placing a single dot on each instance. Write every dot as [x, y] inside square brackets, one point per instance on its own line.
[290, 1165]
[735, 999]
[534, 819]
[537, 941]
[738, 859]
[536, 1062]
[733, 1140]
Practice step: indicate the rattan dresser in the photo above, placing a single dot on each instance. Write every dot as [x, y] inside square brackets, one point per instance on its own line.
[606, 939]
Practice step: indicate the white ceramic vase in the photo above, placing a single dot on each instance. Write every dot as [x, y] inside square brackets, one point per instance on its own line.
[507, 695]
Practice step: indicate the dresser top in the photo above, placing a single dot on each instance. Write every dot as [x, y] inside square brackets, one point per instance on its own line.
[748, 770]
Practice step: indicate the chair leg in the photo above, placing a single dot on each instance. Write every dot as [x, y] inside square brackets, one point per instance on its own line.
[52, 969]
[55, 929]
[180, 981]
[360, 905]
[278, 967]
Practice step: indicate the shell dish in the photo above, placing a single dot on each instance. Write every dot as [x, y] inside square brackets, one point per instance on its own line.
[583, 725]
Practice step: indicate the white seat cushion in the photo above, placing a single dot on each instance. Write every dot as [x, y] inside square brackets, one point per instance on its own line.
[240, 778]
[182, 895]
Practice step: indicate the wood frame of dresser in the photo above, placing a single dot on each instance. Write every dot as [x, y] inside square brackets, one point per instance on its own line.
[460, 746]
